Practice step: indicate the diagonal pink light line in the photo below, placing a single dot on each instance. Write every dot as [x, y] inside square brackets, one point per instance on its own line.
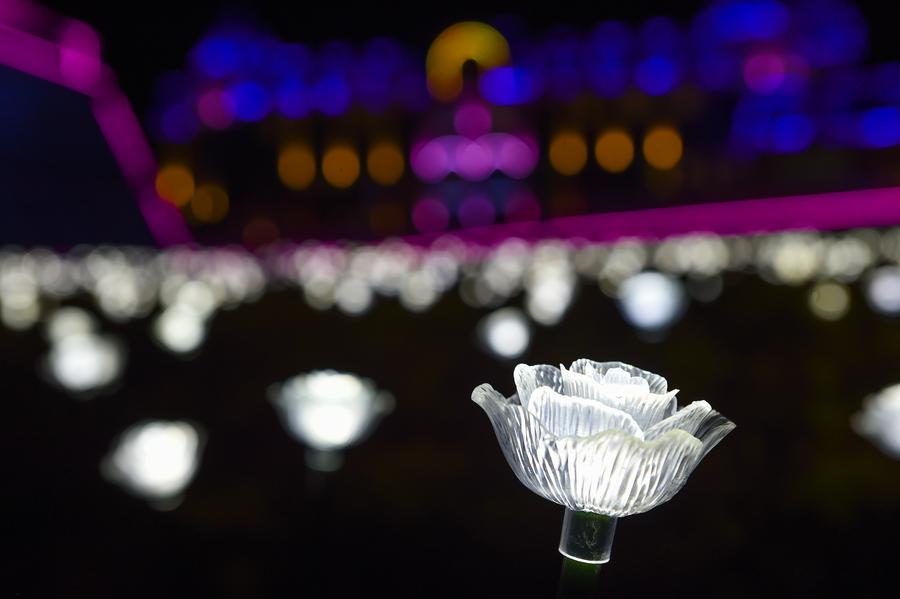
[30, 54]
[823, 211]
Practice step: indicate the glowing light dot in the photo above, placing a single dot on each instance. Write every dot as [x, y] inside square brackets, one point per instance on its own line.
[296, 166]
[385, 163]
[568, 153]
[210, 203]
[175, 184]
[829, 300]
[663, 147]
[260, 231]
[614, 150]
[340, 166]
[429, 215]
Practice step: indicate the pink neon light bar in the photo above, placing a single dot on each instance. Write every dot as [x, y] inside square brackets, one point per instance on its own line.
[824, 211]
[73, 62]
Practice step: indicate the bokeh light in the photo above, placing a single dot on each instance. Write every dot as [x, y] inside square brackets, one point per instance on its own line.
[155, 460]
[505, 332]
[456, 45]
[430, 215]
[210, 203]
[340, 165]
[385, 163]
[216, 109]
[175, 184]
[614, 150]
[829, 300]
[651, 301]
[662, 147]
[568, 152]
[296, 166]
[259, 232]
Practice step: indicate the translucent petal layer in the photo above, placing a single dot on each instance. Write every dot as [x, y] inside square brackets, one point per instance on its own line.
[527, 446]
[528, 378]
[611, 472]
[656, 383]
[688, 419]
[616, 474]
[645, 407]
[569, 416]
[712, 430]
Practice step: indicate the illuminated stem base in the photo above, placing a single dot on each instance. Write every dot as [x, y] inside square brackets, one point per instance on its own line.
[586, 543]
[587, 537]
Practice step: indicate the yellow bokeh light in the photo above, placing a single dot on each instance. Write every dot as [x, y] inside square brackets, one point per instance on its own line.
[340, 166]
[385, 163]
[568, 152]
[829, 300]
[210, 203]
[614, 150]
[296, 166]
[663, 147]
[175, 184]
[459, 43]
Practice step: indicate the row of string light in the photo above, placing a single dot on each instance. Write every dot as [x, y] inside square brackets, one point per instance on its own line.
[183, 288]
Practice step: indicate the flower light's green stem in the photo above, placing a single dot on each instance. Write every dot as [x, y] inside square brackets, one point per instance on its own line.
[586, 543]
[578, 580]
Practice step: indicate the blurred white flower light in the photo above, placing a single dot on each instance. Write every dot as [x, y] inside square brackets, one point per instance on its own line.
[550, 283]
[85, 362]
[505, 332]
[651, 301]
[329, 411]
[353, 296]
[883, 290]
[179, 329]
[69, 321]
[879, 420]
[792, 258]
[155, 460]
[829, 300]
[19, 303]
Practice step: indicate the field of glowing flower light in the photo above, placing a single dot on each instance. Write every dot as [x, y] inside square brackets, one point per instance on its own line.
[239, 358]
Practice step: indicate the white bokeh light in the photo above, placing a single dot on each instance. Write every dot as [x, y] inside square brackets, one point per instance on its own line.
[883, 290]
[651, 301]
[85, 362]
[329, 411]
[155, 459]
[505, 332]
[179, 329]
[879, 420]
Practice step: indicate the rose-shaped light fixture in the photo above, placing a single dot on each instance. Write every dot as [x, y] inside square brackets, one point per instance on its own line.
[329, 411]
[155, 460]
[879, 420]
[602, 439]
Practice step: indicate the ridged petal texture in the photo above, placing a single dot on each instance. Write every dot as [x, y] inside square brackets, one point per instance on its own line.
[602, 437]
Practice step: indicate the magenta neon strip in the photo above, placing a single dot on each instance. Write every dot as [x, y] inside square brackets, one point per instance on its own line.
[822, 212]
[40, 58]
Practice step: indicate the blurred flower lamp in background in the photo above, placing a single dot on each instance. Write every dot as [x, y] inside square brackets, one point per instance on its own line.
[329, 411]
[602, 439]
[879, 420]
[155, 460]
[80, 361]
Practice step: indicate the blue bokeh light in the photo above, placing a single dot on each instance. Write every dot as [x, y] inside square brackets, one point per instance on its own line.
[880, 127]
[218, 56]
[744, 20]
[507, 86]
[791, 133]
[656, 75]
[251, 101]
